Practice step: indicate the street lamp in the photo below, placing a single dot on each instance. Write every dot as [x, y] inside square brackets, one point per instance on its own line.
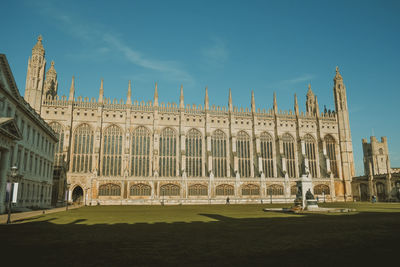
[14, 174]
[68, 185]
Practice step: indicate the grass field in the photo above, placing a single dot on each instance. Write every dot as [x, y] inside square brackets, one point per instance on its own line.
[216, 235]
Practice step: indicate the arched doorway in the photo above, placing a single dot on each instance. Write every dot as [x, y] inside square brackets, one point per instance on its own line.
[364, 192]
[77, 195]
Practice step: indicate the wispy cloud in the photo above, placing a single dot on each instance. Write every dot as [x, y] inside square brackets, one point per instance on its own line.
[105, 42]
[216, 54]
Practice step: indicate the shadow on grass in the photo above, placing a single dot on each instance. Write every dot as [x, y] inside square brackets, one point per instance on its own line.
[356, 239]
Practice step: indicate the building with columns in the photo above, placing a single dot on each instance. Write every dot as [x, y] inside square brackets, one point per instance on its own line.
[26, 142]
[130, 152]
[379, 179]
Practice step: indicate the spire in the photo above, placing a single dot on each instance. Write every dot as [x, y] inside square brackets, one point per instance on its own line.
[316, 106]
[72, 89]
[38, 48]
[309, 92]
[230, 107]
[155, 96]
[206, 101]
[275, 104]
[338, 76]
[296, 106]
[101, 91]
[128, 98]
[253, 102]
[181, 99]
[310, 101]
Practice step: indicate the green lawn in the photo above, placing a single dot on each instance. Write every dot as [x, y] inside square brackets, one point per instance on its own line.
[205, 235]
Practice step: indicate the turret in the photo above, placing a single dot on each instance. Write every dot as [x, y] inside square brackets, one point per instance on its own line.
[316, 107]
[35, 76]
[275, 105]
[310, 101]
[51, 83]
[345, 142]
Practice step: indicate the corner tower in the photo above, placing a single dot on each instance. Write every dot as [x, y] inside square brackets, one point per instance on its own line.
[345, 143]
[51, 83]
[35, 76]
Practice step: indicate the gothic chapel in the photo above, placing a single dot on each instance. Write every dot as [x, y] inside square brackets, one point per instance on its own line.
[128, 152]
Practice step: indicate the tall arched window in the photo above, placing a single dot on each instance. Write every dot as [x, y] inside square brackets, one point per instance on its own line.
[288, 152]
[331, 153]
[193, 153]
[170, 190]
[82, 149]
[58, 149]
[140, 190]
[218, 152]
[167, 164]
[309, 143]
[266, 155]
[243, 153]
[140, 152]
[109, 190]
[225, 190]
[112, 151]
[198, 190]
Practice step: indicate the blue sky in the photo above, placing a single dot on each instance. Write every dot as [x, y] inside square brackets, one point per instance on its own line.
[264, 46]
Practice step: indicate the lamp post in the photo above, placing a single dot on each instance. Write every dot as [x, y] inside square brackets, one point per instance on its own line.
[68, 185]
[14, 174]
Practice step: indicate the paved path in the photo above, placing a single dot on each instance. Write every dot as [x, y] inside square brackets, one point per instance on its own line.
[28, 214]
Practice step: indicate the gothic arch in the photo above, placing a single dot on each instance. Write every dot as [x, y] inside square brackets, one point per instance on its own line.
[140, 151]
[219, 142]
[168, 152]
[243, 149]
[82, 148]
[289, 151]
[311, 151]
[112, 145]
[267, 152]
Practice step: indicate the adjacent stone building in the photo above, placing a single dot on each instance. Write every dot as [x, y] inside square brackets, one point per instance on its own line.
[126, 152]
[380, 179]
[26, 141]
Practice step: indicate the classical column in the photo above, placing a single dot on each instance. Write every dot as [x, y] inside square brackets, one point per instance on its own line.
[3, 172]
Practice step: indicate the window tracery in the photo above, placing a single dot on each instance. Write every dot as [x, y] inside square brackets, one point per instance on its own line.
[140, 190]
[167, 162]
[140, 152]
[194, 153]
[321, 189]
[109, 190]
[288, 152]
[331, 153]
[275, 190]
[267, 154]
[82, 149]
[250, 190]
[112, 151]
[243, 153]
[309, 143]
[170, 190]
[224, 190]
[198, 190]
[218, 152]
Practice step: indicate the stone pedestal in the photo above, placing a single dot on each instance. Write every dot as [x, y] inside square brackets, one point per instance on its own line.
[306, 184]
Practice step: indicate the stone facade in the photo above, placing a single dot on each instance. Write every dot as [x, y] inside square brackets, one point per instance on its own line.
[379, 178]
[126, 152]
[27, 142]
